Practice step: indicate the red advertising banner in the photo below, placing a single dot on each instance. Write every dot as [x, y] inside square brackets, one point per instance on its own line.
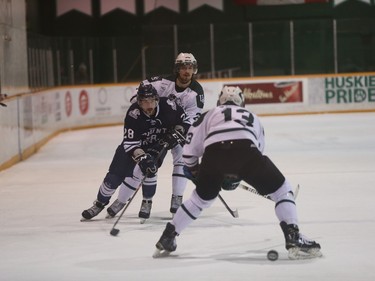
[280, 92]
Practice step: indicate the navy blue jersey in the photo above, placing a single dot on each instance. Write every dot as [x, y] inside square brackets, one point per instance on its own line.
[143, 131]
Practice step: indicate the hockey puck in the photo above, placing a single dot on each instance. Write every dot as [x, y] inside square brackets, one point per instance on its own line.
[272, 255]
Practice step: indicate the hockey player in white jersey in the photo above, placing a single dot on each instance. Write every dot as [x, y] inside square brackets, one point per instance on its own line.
[231, 134]
[188, 93]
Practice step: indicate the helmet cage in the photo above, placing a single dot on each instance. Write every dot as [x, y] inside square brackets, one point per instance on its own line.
[231, 95]
[184, 59]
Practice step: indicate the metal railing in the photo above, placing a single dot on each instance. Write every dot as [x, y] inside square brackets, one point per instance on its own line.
[233, 50]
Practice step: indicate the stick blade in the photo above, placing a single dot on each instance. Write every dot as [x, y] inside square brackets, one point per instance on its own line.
[114, 231]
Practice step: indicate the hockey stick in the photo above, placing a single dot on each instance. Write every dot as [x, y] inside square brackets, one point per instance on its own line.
[114, 231]
[254, 191]
[234, 212]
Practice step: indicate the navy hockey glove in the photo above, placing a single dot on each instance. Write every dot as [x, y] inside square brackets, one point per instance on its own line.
[191, 173]
[157, 152]
[147, 164]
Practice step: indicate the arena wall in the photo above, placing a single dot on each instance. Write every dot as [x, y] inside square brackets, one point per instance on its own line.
[31, 119]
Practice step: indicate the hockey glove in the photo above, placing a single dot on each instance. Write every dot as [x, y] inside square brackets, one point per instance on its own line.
[191, 173]
[157, 152]
[173, 138]
[230, 182]
[147, 164]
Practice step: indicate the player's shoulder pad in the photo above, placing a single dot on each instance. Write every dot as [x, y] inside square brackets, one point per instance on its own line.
[196, 87]
[134, 111]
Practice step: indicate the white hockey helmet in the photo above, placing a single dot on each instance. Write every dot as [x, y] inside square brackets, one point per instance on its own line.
[231, 95]
[185, 59]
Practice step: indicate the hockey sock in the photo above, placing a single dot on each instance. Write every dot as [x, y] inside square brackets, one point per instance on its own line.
[126, 191]
[179, 181]
[189, 211]
[285, 207]
[108, 187]
[130, 185]
[149, 187]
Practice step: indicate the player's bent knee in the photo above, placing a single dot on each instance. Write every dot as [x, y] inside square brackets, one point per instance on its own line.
[199, 202]
[112, 181]
[283, 192]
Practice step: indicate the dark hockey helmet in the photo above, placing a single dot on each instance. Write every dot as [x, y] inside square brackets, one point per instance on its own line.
[231, 95]
[185, 59]
[146, 91]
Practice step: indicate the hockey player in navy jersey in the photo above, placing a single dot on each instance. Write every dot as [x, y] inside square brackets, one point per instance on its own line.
[149, 123]
[231, 134]
[188, 93]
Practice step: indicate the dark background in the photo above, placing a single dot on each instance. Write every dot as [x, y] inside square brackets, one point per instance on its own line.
[75, 38]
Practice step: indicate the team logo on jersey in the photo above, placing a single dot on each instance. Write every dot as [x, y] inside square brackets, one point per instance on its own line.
[155, 122]
[201, 98]
[174, 98]
[172, 104]
[134, 113]
[153, 135]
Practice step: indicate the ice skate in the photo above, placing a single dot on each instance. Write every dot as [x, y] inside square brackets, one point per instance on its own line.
[93, 211]
[114, 209]
[298, 245]
[167, 242]
[145, 211]
[176, 202]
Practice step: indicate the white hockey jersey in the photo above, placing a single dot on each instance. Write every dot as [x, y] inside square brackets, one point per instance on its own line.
[191, 99]
[222, 123]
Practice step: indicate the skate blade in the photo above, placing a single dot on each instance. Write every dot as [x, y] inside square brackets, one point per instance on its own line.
[108, 216]
[142, 220]
[297, 254]
[160, 253]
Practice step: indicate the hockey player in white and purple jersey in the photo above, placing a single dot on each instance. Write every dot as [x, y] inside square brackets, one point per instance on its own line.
[188, 93]
[231, 134]
[150, 123]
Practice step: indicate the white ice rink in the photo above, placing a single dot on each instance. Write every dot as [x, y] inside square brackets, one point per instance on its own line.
[331, 156]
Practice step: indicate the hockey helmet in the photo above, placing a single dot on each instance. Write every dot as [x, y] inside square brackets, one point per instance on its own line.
[231, 95]
[146, 91]
[185, 59]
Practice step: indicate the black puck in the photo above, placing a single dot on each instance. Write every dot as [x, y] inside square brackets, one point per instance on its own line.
[272, 255]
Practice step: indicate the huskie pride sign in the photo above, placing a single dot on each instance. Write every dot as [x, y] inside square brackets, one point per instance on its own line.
[349, 89]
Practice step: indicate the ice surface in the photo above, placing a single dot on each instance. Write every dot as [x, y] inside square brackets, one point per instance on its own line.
[331, 156]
